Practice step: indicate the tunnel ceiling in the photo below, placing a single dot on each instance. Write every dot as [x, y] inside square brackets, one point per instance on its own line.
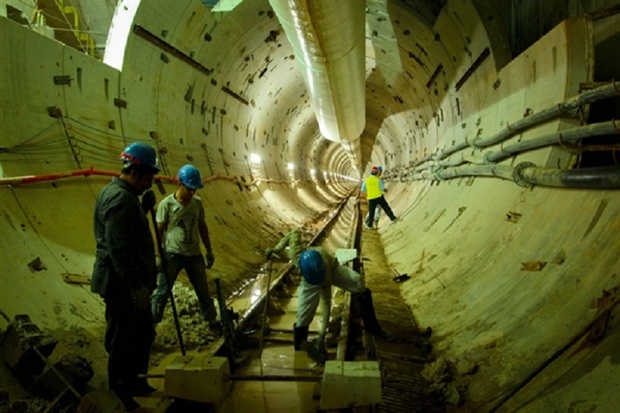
[399, 37]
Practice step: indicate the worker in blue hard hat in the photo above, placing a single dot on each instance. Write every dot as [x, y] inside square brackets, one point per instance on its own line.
[124, 273]
[320, 270]
[182, 224]
[374, 188]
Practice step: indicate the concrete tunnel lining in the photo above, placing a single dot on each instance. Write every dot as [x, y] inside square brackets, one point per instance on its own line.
[453, 235]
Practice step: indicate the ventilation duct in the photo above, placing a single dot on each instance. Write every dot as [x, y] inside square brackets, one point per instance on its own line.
[329, 41]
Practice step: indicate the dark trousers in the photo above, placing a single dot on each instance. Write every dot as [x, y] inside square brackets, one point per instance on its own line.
[196, 272]
[128, 339]
[372, 204]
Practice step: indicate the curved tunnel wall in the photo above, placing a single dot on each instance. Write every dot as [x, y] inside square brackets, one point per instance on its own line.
[468, 241]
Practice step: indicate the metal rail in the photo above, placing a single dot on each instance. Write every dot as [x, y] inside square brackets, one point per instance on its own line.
[276, 280]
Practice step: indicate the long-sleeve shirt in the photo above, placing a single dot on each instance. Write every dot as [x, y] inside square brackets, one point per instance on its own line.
[295, 245]
[125, 250]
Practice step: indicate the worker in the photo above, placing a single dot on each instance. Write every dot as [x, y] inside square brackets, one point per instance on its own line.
[320, 270]
[374, 188]
[182, 225]
[124, 273]
[291, 244]
[377, 208]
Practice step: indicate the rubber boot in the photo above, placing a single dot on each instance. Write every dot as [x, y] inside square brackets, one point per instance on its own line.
[300, 337]
[369, 317]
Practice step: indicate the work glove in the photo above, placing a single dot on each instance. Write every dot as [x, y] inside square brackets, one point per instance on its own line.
[210, 259]
[148, 201]
[141, 298]
[269, 253]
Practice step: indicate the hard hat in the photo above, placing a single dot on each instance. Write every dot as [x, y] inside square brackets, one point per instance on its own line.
[142, 154]
[312, 266]
[374, 170]
[379, 168]
[190, 177]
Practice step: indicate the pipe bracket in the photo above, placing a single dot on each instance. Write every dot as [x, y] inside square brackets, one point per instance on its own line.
[517, 174]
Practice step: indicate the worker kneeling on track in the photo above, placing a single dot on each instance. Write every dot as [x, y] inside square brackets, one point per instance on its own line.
[320, 270]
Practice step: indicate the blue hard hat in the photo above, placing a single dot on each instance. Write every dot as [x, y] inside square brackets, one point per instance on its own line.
[190, 177]
[142, 154]
[380, 168]
[312, 266]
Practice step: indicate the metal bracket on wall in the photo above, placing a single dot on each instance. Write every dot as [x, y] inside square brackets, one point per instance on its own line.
[62, 80]
[120, 103]
[145, 34]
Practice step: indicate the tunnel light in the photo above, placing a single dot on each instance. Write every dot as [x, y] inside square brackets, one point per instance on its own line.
[290, 166]
[254, 158]
[313, 172]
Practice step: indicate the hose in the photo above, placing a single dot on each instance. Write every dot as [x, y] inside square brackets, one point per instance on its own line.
[606, 177]
[527, 174]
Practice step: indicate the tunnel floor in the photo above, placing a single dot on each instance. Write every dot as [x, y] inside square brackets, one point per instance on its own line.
[401, 360]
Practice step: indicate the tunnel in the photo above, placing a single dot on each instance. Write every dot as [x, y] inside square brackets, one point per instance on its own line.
[495, 124]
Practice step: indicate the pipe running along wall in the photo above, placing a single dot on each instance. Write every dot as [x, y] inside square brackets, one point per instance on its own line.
[329, 44]
[526, 174]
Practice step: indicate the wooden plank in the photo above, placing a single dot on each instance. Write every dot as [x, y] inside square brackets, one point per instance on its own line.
[75, 278]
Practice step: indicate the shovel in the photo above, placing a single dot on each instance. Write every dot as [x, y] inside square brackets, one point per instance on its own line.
[399, 278]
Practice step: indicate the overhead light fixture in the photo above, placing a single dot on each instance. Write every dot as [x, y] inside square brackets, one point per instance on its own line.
[290, 166]
[254, 158]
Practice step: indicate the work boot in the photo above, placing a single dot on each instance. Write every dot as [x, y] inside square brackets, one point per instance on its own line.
[369, 317]
[315, 352]
[300, 339]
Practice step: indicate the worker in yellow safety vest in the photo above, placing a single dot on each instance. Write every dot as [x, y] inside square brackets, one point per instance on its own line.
[374, 188]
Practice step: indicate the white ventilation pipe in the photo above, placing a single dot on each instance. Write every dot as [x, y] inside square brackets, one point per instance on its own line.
[328, 37]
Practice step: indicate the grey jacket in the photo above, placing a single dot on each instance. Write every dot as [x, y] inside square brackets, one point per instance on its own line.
[125, 249]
